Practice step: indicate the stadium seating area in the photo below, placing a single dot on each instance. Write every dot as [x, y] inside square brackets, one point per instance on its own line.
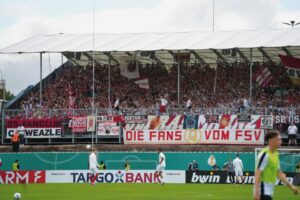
[197, 82]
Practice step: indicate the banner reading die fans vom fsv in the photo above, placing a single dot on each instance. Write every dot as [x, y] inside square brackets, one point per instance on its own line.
[35, 128]
[179, 122]
[195, 136]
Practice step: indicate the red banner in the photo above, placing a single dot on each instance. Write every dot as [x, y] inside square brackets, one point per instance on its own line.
[34, 123]
[12, 177]
[35, 128]
[196, 136]
[78, 124]
[263, 76]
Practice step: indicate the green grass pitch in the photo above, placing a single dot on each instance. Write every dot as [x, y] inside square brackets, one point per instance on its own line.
[136, 192]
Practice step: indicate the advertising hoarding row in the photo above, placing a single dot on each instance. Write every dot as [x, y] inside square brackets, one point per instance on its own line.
[134, 176]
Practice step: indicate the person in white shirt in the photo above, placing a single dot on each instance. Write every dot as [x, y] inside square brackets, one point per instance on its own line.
[292, 133]
[246, 103]
[117, 104]
[238, 168]
[161, 166]
[93, 166]
[189, 104]
[163, 105]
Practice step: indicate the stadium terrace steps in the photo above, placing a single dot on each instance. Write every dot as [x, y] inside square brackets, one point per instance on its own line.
[115, 147]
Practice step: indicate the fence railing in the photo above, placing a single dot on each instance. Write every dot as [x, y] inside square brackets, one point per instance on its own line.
[55, 113]
[68, 136]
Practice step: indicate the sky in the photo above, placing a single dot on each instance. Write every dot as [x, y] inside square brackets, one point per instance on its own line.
[21, 19]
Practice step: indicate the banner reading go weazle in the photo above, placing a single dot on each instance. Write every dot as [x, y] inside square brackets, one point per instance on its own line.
[35, 128]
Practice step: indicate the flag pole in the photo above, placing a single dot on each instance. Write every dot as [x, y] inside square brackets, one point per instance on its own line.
[216, 77]
[93, 63]
[251, 81]
[213, 18]
[41, 79]
[109, 80]
[178, 79]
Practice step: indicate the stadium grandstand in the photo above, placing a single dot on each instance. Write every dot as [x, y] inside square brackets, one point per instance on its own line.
[238, 73]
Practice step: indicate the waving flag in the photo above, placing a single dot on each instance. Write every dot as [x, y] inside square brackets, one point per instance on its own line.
[143, 83]
[263, 76]
[129, 67]
[292, 66]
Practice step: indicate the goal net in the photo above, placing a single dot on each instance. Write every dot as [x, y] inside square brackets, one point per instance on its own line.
[289, 159]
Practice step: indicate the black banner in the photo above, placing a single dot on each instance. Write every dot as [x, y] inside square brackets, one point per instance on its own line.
[221, 177]
[136, 119]
[282, 119]
[244, 118]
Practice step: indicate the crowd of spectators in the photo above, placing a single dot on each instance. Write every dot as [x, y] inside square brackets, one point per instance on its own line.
[229, 90]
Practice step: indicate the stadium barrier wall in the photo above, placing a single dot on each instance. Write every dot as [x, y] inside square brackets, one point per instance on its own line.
[116, 160]
[137, 160]
[133, 176]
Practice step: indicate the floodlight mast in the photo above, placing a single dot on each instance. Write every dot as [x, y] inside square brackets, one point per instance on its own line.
[213, 17]
[93, 63]
[292, 23]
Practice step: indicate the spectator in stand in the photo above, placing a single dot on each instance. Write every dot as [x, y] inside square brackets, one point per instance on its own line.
[189, 104]
[15, 140]
[117, 105]
[292, 134]
[16, 166]
[163, 105]
[197, 85]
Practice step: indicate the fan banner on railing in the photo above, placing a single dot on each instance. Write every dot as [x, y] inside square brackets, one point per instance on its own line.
[209, 122]
[292, 66]
[136, 119]
[196, 136]
[35, 128]
[78, 124]
[91, 123]
[107, 126]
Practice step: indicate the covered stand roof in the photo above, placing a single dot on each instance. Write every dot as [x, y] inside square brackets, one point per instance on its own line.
[204, 47]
